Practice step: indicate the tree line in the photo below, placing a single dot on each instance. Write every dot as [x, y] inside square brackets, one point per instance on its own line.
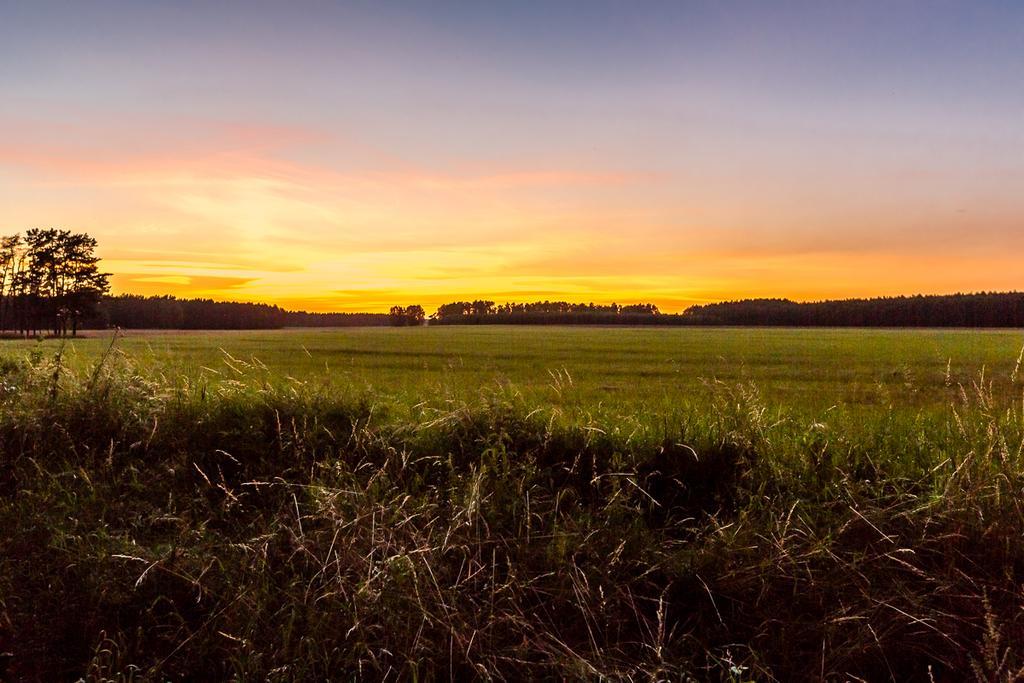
[131, 311]
[546, 313]
[49, 281]
[985, 309]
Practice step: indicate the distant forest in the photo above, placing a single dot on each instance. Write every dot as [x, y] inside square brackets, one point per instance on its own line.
[130, 311]
[550, 313]
[954, 310]
[986, 309]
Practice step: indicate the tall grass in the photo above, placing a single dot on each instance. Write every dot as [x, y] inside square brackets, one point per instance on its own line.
[159, 528]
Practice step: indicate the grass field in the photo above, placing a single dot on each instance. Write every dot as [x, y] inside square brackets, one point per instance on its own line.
[604, 371]
[510, 503]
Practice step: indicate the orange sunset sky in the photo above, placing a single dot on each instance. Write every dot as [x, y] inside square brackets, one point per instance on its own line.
[343, 157]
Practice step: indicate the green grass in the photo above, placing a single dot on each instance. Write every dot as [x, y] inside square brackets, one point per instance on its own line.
[445, 503]
[608, 371]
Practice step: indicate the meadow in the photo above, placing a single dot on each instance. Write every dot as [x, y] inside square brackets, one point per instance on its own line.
[613, 372]
[508, 503]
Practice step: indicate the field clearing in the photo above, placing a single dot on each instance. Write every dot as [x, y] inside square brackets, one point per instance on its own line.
[603, 371]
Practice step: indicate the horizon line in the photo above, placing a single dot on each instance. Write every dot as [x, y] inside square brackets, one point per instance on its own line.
[625, 302]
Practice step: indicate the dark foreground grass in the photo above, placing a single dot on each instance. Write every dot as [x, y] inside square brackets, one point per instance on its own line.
[257, 530]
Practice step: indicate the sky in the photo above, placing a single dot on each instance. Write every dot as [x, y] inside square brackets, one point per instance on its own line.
[352, 156]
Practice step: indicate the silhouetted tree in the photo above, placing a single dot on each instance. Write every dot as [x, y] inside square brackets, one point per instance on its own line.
[81, 283]
[9, 264]
[49, 279]
[404, 316]
[415, 314]
[59, 281]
